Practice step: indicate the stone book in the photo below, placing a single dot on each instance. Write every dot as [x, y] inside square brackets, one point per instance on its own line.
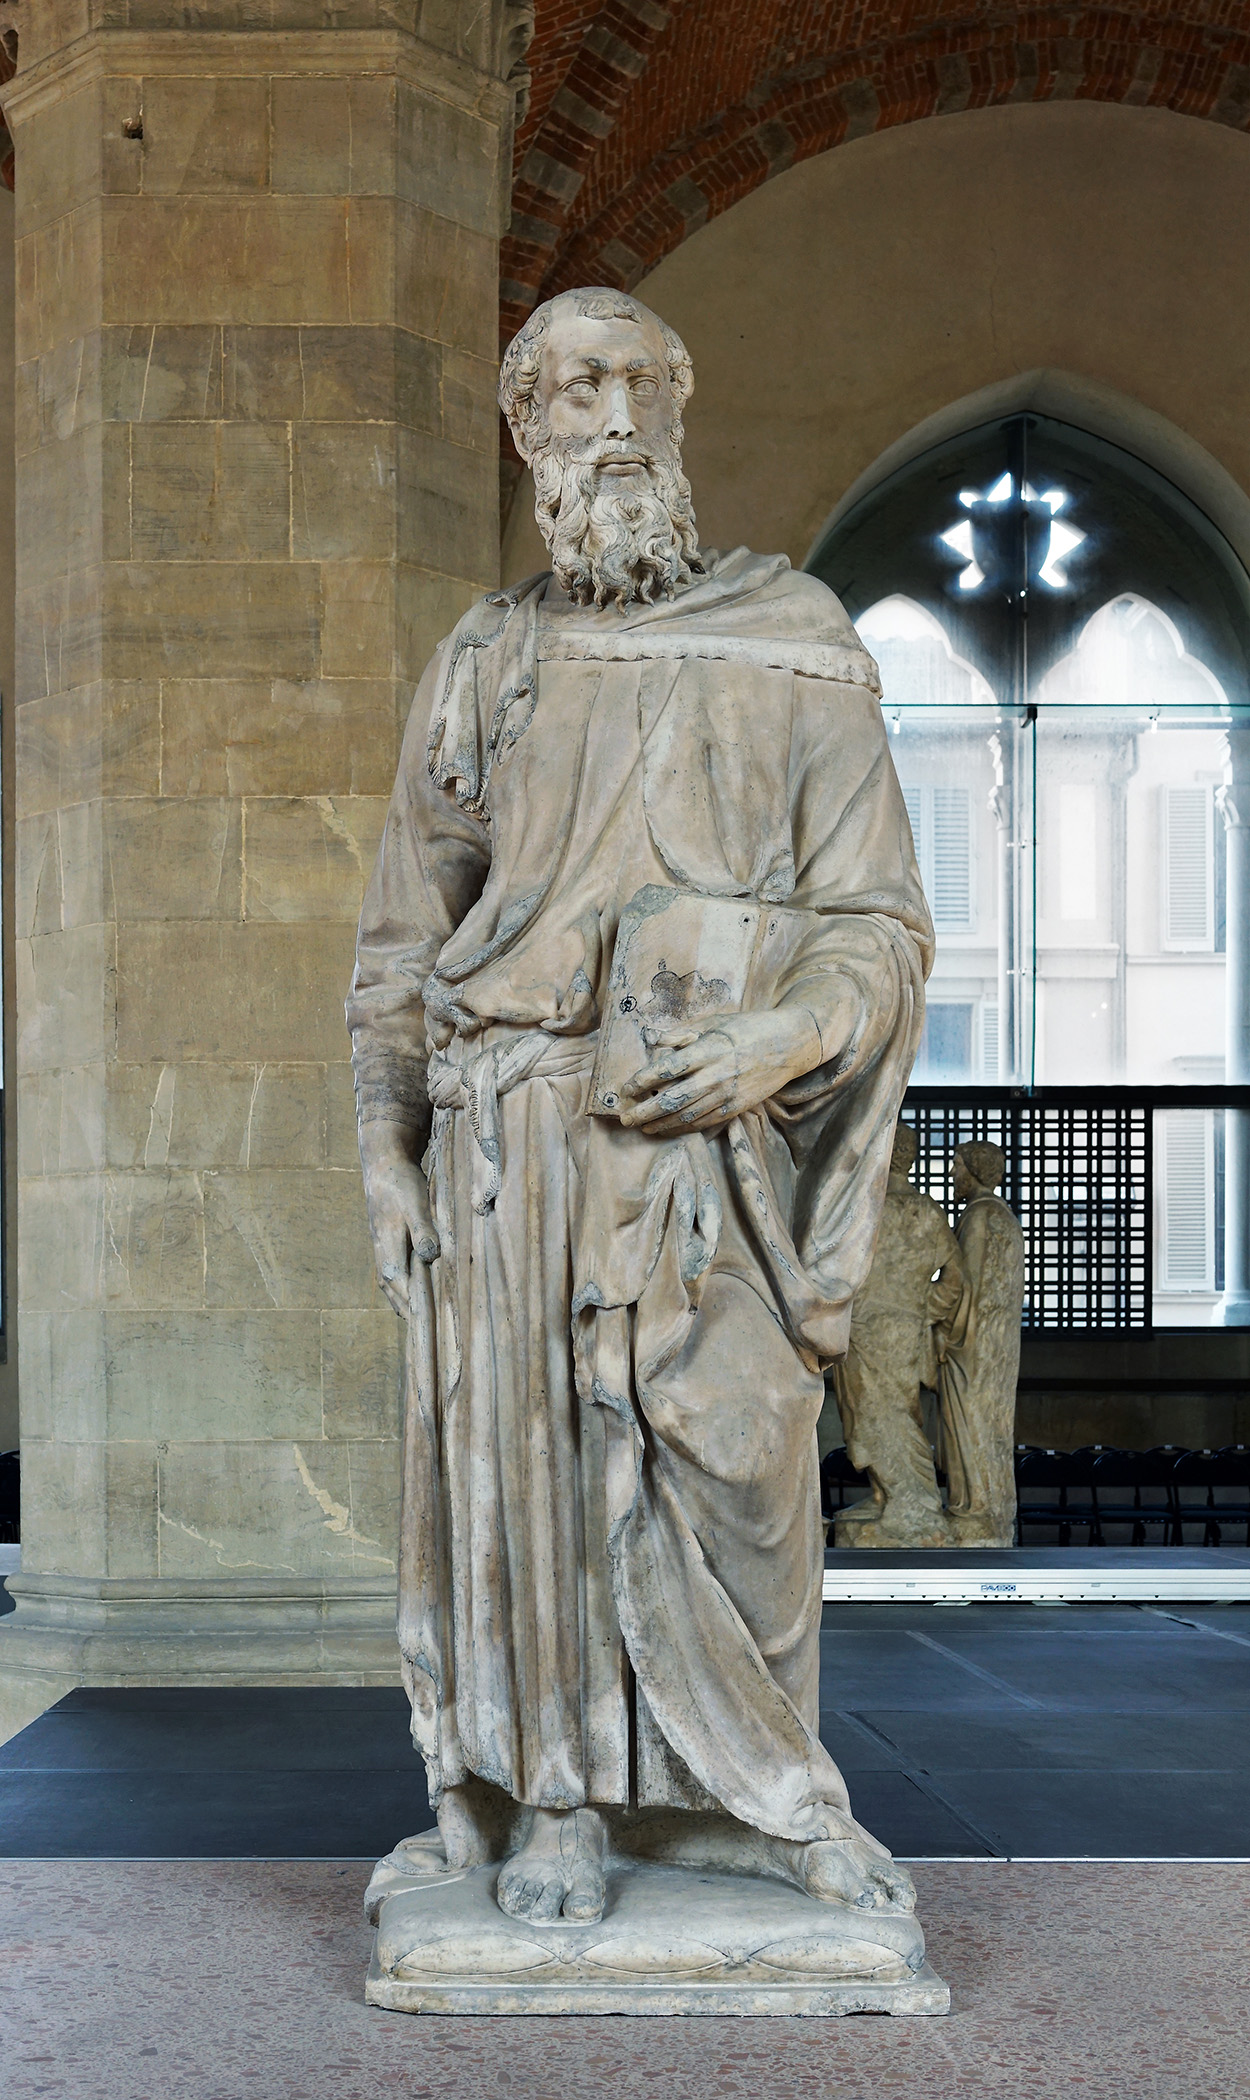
[680, 957]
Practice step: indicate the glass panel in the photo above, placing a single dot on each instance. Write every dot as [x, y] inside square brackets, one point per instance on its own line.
[966, 776]
[1129, 959]
[965, 765]
[1064, 643]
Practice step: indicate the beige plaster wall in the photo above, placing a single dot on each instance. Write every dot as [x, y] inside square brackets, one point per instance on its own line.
[864, 292]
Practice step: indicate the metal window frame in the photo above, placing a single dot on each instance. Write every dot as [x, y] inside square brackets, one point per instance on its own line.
[1084, 1273]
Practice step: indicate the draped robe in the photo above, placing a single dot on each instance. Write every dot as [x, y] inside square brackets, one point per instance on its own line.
[903, 1311]
[610, 1579]
[981, 1364]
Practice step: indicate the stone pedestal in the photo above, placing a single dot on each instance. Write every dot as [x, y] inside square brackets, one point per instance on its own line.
[671, 1940]
[257, 480]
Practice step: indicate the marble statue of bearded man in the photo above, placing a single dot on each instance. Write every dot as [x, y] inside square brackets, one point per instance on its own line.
[610, 1581]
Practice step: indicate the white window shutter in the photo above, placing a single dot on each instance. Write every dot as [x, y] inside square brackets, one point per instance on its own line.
[1188, 1209]
[989, 1039]
[952, 858]
[1188, 869]
[941, 826]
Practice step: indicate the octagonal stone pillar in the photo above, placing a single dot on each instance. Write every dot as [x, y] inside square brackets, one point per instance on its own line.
[257, 480]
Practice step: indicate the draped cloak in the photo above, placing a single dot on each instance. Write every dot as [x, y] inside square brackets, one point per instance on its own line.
[610, 1574]
[981, 1363]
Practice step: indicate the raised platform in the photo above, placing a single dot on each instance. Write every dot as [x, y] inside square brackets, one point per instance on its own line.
[1041, 1575]
[672, 1940]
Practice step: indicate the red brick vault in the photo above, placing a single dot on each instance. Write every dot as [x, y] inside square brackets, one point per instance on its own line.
[648, 119]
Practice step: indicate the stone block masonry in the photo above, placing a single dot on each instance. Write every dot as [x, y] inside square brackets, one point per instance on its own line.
[257, 482]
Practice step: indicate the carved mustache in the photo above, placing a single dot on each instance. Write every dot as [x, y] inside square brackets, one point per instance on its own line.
[599, 452]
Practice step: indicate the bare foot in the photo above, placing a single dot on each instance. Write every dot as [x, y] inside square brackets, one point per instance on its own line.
[475, 1821]
[845, 1870]
[846, 1865]
[559, 1869]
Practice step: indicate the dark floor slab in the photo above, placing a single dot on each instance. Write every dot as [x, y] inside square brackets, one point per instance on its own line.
[1091, 1742]
[1031, 1621]
[1094, 1731]
[1107, 1815]
[915, 1825]
[1022, 1619]
[349, 1814]
[869, 1669]
[1230, 1622]
[1131, 1672]
[232, 1729]
[855, 1748]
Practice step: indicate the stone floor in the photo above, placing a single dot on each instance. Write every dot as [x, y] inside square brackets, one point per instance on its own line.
[232, 1980]
[182, 1872]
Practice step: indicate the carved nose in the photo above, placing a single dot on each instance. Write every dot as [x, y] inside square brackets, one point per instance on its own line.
[620, 423]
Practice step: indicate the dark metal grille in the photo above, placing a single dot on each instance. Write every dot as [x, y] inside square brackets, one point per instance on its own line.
[1079, 1180]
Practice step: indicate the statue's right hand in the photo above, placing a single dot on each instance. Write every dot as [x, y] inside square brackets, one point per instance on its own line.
[400, 1219]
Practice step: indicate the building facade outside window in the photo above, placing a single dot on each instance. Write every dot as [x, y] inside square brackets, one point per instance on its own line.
[1064, 644]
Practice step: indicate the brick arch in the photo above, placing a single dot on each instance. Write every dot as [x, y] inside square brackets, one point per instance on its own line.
[8, 67]
[659, 152]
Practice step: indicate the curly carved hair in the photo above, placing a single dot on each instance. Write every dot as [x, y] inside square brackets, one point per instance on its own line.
[518, 374]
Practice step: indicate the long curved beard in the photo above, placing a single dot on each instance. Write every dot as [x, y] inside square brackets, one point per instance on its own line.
[614, 543]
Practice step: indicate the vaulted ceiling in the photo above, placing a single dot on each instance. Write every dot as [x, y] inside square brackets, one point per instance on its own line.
[647, 119]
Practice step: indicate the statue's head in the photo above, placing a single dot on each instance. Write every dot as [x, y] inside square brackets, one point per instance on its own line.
[593, 388]
[978, 1170]
[903, 1150]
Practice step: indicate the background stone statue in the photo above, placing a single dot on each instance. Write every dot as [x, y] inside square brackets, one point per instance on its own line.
[981, 1357]
[611, 1554]
[901, 1311]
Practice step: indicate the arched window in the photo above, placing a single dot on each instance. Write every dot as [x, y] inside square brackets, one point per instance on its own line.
[1064, 643]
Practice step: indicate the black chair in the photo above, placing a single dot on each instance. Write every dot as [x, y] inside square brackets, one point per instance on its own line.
[840, 1483]
[1055, 1489]
[10, 1481]
[1117, 1472]
[1212, 1488]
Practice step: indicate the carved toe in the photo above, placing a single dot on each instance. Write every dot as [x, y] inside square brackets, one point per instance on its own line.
[512, 1894]
[548, 1896]
[585, 1899]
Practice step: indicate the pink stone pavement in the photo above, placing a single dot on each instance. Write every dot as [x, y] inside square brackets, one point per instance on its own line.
[226, 1980]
